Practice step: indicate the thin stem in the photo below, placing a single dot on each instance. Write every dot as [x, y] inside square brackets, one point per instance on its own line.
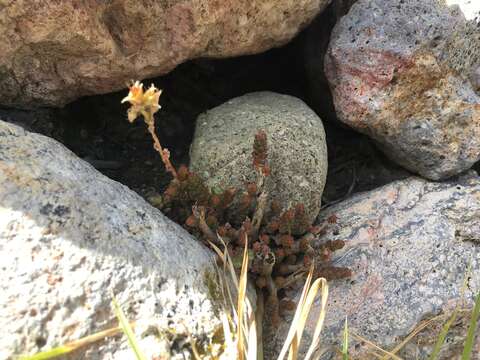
[164, 153]
[199, 213]
[258, 215]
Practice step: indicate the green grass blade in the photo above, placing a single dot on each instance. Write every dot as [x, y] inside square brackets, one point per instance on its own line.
[467, 350]
[448, 324]
[49, 354]
[443, 335]
[73, 345]
[345, 341]
[127, 329]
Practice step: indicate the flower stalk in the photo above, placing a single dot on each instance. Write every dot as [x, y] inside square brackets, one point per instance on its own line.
[145, 103]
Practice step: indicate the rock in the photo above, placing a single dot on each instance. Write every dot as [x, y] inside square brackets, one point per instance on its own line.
[317, 37]
[55, 52]
[409, 245]
[469, 8]
[70, 237]
[355, 165]
[221, 152]
[404, 72]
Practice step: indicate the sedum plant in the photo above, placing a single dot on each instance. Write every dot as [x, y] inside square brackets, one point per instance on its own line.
[279, 240]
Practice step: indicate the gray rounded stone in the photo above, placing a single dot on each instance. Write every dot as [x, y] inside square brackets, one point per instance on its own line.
[405, 72]
[222, 147]
[70, 237]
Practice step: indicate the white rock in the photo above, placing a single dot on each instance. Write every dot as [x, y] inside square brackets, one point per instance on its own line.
[70, 237]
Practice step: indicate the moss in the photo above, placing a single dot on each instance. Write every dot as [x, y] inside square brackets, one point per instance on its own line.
[210, 280]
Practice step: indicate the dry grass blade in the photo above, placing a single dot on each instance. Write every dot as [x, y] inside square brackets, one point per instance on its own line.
[345, 340]
[296, 318]
[252, 338]
[418, 329]
[242, 289]
[193, 345]
[245, 337]
[376, 347]
[426, 323]
[294, 336]
[227, 333]
[321, 319]
[227, 262]
[312, 293]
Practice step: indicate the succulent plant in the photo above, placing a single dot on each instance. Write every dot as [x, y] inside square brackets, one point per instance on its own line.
[279, 240]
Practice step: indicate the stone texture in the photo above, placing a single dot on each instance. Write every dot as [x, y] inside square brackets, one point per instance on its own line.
[317, 38]
[408, 244]
[222, 148]
[53, 52]
[70, 236]
[469, 8]
[405, 72]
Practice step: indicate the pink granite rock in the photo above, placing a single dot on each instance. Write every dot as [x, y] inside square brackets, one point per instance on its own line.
[53, 52]
[405, 73]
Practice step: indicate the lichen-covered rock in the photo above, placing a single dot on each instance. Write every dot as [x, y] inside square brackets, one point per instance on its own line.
[221, 152]
[409, 245]
[70, 237]
[53, 52]
[405, 72]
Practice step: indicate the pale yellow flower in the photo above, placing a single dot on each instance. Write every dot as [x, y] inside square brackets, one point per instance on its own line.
[143, 103]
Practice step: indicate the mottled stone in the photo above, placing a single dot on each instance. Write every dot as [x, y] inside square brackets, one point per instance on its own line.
[317, 37]
[53, 52]
[469, 8]
[222, 148]
[405, 72]
[70, 237]
[409, 245]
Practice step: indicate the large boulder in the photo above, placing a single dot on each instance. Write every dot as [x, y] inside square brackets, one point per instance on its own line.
[221, 151]
[317, 38]
[70, 238]
[409, 245]
[407, 73]
[53, 52]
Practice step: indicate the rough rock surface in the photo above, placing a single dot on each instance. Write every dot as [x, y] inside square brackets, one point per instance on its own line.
[53, 52]
[317, 38]
[70, 236]
[408, 244]
[222, 148]
[406, 73]
[469, 8]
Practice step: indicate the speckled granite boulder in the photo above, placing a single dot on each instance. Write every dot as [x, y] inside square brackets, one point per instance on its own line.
[222, 148]
[53, 52]
[406, 73]
[69, 237]
[408, 244]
